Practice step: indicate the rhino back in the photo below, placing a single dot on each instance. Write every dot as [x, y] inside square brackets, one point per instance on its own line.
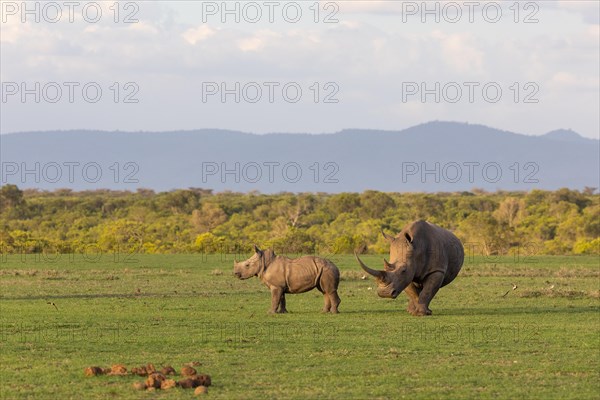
[293, 275]
[301, 274]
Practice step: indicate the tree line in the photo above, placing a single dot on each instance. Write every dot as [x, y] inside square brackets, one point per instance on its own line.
[197, 220]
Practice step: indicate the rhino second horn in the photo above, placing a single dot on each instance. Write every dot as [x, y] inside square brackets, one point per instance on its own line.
[388, 266]
[375, 273]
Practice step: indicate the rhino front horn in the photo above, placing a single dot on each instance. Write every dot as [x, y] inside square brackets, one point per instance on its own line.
[375, 273]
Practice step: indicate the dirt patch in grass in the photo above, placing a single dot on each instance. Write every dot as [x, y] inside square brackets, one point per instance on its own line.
[352, 276]
[562, 293]
[516, 272]
[44, 273]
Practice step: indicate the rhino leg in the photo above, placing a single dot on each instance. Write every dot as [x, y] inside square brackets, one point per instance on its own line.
[282, 309]
[276, 295]
[334, 301]
[327, 305]
[430, 287]
[328, 285]
[412, 291]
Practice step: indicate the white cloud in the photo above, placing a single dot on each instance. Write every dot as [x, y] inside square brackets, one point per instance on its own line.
[250, 44]
[13, 31]
[259, 41]
[571, 82]
[145, 28]
[593, 32]
[459, 51]
[372, 6]
[195, 35]
[588, 10]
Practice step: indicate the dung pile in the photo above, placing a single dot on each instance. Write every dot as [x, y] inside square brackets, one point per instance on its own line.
[158, 380]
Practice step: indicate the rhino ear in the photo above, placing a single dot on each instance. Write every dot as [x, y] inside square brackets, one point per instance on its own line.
[409, 239]
[386, 236]
[257, 250]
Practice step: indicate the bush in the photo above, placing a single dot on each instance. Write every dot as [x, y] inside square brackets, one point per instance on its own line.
[347, 244]
[209, 243]
[295, 241]
[587, 247]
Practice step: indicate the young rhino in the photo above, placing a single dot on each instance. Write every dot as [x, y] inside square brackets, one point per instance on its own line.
[284, 275]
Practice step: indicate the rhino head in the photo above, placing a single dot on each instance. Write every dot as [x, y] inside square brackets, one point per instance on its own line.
[252, 266]
[399, 272]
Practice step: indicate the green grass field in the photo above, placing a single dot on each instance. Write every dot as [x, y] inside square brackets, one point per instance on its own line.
[541, 340]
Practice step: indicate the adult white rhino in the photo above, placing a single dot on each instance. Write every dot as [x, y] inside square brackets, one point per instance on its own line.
[423, 258]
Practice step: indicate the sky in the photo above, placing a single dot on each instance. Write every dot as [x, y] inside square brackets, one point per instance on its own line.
[300, 67]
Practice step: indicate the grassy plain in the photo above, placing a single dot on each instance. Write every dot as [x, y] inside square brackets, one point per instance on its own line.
[541, 340]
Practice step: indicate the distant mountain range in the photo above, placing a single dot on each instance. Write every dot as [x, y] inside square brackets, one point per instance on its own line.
[432, 157]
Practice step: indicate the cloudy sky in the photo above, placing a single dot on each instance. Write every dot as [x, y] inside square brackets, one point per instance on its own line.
[527, 67]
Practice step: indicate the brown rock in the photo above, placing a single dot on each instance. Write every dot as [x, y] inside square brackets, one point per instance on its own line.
[168, 384]
[150, 368]
[139, 385]
[200, 390]
[168, 370]
[93, 371]
[188, 371]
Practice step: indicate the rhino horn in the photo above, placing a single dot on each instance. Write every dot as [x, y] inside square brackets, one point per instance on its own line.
[375, 273]
[388, 266]
[257, 250]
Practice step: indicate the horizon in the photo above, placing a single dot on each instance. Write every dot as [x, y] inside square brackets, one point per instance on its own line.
[474, 191]
[196, 130]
